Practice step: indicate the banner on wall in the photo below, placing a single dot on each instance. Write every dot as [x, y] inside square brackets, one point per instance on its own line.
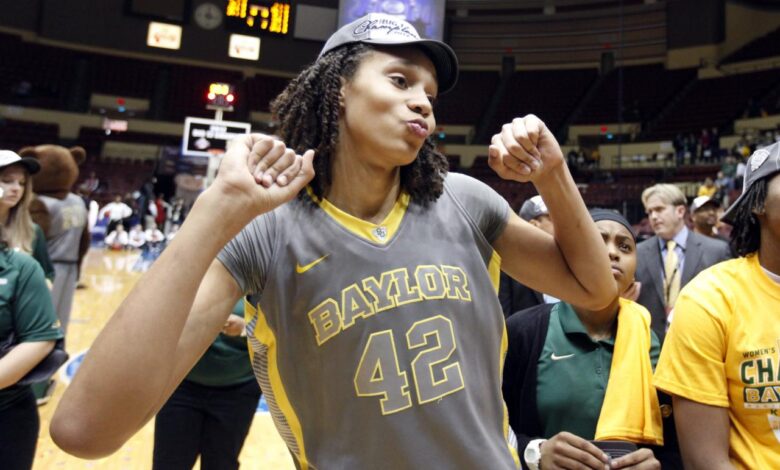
[427, 16]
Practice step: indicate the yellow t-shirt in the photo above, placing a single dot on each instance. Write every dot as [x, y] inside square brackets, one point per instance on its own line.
[707, 191]
[723, 349]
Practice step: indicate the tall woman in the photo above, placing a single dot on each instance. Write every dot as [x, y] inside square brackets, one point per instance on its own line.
[721, 358]
[27, 313]
[375, 329]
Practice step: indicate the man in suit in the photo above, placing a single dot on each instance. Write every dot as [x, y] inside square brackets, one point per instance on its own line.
[674, 256]
[513, 295]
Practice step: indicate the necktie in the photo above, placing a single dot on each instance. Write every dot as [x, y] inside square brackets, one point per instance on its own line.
[671, 275]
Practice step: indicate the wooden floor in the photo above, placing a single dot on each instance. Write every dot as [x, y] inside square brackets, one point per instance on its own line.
[109, 276]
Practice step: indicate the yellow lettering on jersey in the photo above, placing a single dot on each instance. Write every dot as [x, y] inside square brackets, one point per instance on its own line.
[405, 294]
[457, 283]
[392, 289]
[354, 304]
[326, 320]
[380, 290]
[430, 282]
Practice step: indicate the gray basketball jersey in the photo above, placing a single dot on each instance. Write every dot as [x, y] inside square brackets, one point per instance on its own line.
[380, 346]
[68, 219]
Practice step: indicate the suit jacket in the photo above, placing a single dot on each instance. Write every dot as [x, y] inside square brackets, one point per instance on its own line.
[700, 253]
[515, 296]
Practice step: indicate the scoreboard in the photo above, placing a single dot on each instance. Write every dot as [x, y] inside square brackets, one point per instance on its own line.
[258, 16]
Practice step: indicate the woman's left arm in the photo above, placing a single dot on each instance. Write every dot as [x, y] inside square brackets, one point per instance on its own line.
[573, 265]
[21, 360]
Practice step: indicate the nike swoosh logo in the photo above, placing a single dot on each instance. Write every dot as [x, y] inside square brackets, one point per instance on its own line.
[302, 269]
[558, 358]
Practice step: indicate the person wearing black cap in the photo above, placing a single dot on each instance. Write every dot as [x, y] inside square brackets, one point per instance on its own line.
[569, 378]
[721, 360]
[370, 272]
[513, 295]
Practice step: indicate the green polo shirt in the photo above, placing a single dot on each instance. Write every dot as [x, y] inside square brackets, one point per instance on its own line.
[573, 372]
[226, 361]
[25, 308]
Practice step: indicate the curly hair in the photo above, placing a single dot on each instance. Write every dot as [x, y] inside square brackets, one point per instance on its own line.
[746, 232]
[308, 111]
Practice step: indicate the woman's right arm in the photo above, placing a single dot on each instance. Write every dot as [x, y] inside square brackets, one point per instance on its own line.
[177, 308]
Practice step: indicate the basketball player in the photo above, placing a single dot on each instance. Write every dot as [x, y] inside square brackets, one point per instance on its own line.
[375, 329]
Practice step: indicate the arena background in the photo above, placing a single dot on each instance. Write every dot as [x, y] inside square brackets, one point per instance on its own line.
[670, 66]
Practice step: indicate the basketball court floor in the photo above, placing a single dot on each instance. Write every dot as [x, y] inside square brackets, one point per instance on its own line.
[109, 276]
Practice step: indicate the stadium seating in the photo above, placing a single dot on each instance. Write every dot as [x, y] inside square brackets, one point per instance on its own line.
[130, 78]
[760, 48]
[648, 86]
[33, 75]
[17, 134]
[714, 102]
[466, 102]
[550, 94]
[262, 89]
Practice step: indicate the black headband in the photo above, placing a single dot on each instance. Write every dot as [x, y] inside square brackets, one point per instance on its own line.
[608, 214]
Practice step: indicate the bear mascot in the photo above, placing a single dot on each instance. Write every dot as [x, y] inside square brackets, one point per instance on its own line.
[62, 215]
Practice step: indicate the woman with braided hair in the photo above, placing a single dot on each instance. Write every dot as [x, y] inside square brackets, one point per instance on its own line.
[317, 88]
[721, 358]
[369, 273]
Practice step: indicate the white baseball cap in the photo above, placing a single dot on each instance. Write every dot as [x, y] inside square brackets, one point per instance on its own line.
[8, 157]
[387, 30]
[700, 201]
